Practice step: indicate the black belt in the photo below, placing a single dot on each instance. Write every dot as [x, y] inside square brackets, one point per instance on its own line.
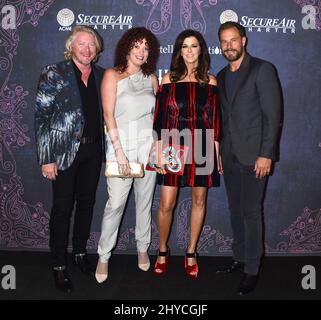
[89, 140]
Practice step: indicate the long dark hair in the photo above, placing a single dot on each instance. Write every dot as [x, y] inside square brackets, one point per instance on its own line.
[178, 69]
[127, 42]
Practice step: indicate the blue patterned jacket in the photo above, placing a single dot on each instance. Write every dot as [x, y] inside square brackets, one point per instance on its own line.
[59, 118]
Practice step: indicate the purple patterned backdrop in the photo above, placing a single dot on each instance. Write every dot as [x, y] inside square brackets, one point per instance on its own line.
[293, 202]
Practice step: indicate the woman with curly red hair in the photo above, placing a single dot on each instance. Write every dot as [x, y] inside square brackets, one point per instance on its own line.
[128, 97]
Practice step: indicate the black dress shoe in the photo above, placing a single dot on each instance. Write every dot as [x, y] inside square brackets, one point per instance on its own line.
[234, 266]
[81, 260]
[247, 284]
[62, 280]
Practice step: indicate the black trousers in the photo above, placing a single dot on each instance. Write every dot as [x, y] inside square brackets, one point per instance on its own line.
[245, 195]
[77, 184]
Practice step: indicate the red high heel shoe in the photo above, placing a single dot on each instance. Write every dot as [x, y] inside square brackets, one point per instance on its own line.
[191, 271]
[160, 268]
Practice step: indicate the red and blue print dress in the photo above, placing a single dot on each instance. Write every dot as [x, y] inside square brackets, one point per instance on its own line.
[192, 109]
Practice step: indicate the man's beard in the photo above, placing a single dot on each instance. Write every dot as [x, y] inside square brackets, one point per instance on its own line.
[234, 57]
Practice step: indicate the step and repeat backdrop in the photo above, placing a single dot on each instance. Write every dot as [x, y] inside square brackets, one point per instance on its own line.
[287, 33]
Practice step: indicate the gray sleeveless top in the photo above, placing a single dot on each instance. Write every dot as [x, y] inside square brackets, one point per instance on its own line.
[134, 110]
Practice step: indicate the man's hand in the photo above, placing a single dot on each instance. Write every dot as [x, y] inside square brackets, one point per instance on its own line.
[262, 167]
[49, 171]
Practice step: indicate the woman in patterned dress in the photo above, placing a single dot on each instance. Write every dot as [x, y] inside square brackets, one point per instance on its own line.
[186, 113]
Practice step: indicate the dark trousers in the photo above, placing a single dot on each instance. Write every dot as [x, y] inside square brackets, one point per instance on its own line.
[77, 184]
[245, 195]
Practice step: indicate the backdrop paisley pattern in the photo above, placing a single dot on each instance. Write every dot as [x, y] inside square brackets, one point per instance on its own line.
[276, 32]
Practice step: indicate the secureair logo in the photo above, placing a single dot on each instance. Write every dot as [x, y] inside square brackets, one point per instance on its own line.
[260, 24]
[65, 18]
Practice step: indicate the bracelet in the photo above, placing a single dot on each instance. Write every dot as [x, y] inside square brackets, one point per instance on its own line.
[116, 145]
[118, 148]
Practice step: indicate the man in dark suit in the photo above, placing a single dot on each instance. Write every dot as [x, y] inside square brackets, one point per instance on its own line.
[70, 145]
[250, 99]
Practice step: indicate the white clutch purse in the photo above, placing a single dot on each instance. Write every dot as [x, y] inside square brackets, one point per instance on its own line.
[136, 170]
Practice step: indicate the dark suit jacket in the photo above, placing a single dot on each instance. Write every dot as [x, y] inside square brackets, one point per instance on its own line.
[251, 116]
[59, 118]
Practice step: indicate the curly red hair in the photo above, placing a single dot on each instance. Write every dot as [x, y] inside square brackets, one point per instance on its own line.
[127, 42]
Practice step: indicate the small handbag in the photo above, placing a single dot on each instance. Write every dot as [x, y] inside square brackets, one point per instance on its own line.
[175, 155]
[136, 170]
